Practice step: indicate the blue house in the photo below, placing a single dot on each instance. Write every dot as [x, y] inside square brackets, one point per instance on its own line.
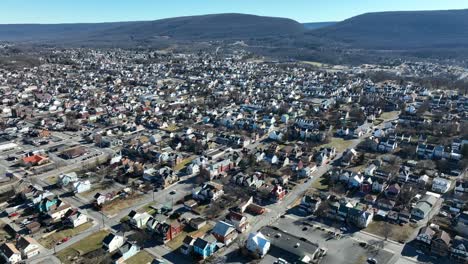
[205, 247]
[127, 251]
[46, 204]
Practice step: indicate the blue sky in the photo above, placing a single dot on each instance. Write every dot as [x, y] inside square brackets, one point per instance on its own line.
[68, 11]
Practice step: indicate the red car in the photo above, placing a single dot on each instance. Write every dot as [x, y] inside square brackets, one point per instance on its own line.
[13, 214]
[65, 239]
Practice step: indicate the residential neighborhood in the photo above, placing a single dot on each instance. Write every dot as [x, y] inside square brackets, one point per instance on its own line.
[131, 156]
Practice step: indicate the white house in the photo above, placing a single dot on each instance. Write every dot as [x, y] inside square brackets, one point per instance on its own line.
[67, 178]
[112, 242]
[139, 220]
[28, 247]
[257, 243]
[440, 185]
[78, 219]
[81, 186]
[193, 169]
[10, 253]
[276, 135]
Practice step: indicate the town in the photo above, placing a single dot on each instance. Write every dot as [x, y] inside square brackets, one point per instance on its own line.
[153, 156]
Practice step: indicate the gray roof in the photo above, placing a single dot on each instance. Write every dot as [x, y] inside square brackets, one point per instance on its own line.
[222, 228]
[297, 246]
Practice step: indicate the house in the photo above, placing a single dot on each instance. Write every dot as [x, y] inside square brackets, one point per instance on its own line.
[165, 232]
[440, 185]
[10, 253]
[459, 249]
[205, 247]
[59, 212]
[47, 204]
[224, 232]
[66, 178]
[187, 245]
[190, 204]
[257, 243]
[424, 237]
[460, 223]
[307, 171]
[197, 223]
[325, 155]
[387, 145]
[276, 135]
[112, 242]
[208, 191]
[369, 171]
[278, 193]
[81, 186]
[238, 220]
[78, 219]
[28, 247]
[360, 215]
[309, 204]
[393, 190]
[34, 160]
[385, 204]
[355, 181]
[461, 188]
[423, 206]
[126, 251]
[440, 245]
[138, 220]
[378, 184]
[348, 157]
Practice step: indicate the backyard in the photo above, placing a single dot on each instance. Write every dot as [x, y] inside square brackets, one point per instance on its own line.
[51, 240]
[392, 231]
[82, 247]
[178, 240]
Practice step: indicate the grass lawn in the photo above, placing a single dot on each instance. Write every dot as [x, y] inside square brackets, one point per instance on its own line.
[96, 187]
[183, 163]
[320, 184]
[396, 233]
[178, 240]
[170, 128]
[52, 179]
[140, 258]
[201, 209]
[389, 115]
[359, 168]
[51, 240]
[118, 204]
[146, 208]
[86, 245]
[339, 143]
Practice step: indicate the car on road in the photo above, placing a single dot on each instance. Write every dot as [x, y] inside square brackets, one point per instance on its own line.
[63, 240]
[172, 192]
[13, 214]
[372, 261]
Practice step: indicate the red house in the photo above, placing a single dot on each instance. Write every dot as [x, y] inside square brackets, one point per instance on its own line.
[278, 193]
[166, 232]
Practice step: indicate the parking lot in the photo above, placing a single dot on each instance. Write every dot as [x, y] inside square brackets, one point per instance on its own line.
[340, 250]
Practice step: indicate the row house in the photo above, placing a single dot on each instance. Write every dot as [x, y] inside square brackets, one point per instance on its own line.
[209, 191]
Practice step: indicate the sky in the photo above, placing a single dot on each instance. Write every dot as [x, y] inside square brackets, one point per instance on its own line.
[72, 11]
